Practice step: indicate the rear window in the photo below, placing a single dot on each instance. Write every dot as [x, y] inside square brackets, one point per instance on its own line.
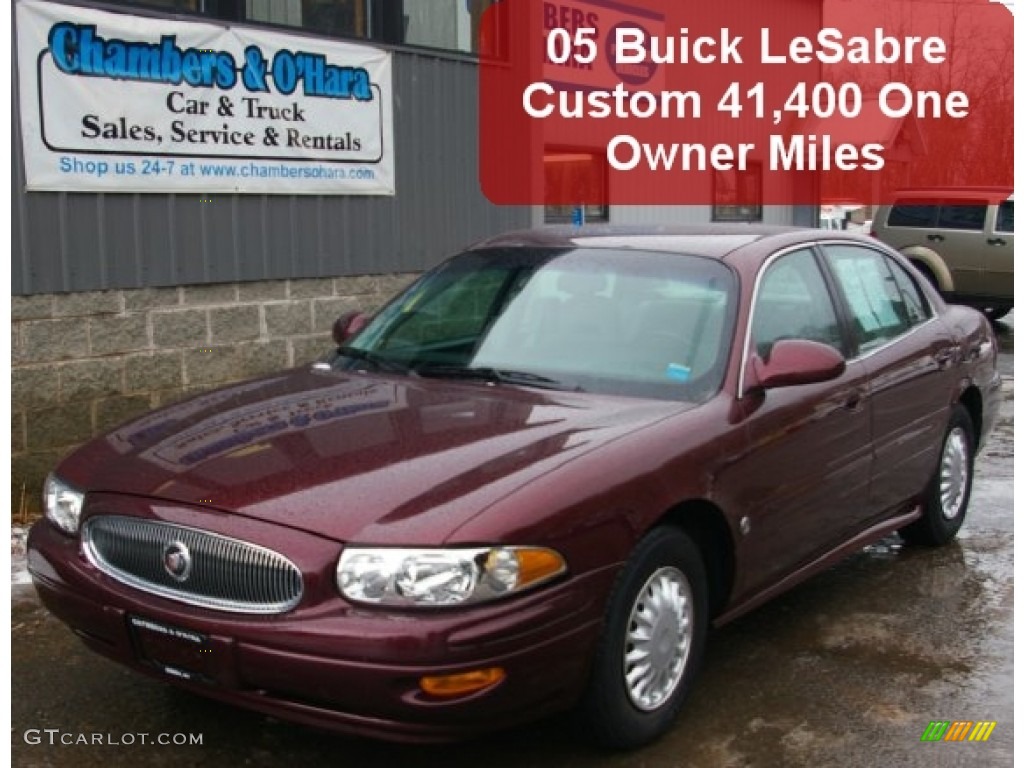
[968, 216]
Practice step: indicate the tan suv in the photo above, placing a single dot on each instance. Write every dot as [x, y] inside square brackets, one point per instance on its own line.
[960, 238]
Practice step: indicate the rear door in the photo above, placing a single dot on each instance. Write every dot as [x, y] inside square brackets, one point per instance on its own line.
[951, 229]
[999, 250]
[959, 239]
[910, 361]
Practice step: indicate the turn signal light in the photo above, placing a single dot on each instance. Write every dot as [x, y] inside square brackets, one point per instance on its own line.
[462, 683]
[538, 564]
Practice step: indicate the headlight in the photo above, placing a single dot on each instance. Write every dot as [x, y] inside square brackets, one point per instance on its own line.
[412, 577]
[62, 504]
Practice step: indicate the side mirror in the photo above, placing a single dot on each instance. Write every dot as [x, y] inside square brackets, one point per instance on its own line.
[348, 325]
[793, 362]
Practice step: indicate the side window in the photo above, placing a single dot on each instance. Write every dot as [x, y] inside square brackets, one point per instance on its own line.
[738, 195]
[574, 178]
[793, 302]
[917, 308]
[1004, 219]
[907, 215]
[966, 216]
[872, 293]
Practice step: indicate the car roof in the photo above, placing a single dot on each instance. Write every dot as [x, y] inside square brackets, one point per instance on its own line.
[713, 240]
[994, 194]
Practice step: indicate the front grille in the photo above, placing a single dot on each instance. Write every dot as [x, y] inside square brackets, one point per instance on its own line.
[192, 566]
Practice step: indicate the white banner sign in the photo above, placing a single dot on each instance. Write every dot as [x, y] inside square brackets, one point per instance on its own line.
[118, 103]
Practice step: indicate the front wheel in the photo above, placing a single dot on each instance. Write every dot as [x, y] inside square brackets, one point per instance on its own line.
[652, 644]
[949, 491]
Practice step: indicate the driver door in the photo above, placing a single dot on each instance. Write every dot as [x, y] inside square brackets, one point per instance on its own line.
[804, 479]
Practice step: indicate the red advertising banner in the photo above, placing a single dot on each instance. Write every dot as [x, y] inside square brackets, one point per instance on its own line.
[782, 102]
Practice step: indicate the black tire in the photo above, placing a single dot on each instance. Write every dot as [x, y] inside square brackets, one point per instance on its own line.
[996, 313]
[949, 491]
[927, 272]
[623, 716]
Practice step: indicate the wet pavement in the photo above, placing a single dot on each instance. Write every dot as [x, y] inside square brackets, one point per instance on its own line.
[1004, 333]
[847, 669]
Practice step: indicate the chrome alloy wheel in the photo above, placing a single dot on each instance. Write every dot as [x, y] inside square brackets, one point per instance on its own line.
[953, 473]
[658, 638]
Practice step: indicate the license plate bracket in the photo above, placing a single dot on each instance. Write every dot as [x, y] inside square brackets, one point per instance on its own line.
[179, 652]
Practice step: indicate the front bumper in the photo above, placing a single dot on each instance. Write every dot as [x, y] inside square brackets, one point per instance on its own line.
[328, 664]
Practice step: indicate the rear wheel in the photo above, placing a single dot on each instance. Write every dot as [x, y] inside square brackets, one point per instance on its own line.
[927, 272]
[652, 644]
[949, 491]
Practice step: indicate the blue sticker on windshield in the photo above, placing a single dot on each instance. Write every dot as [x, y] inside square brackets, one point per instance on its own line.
[677, 372]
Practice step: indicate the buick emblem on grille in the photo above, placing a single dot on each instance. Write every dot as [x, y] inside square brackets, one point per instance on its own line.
[192, 566]
[177, 561]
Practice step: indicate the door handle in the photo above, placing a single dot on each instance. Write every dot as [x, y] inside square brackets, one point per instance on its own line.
[935, 238]
[853, 400]
[943, 358]
[996, 241]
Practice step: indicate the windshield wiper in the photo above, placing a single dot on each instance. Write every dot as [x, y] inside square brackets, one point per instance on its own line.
[379, 361]
[495, 375]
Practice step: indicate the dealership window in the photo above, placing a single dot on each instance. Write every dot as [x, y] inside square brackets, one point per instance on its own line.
[490, 28]
[738, 194]
[437, 24]
[573, 179]
[341, 18]
[453, 25]
[192, 6]
[220, 9]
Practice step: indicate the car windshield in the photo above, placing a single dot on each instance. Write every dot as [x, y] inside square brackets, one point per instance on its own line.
[586, 319]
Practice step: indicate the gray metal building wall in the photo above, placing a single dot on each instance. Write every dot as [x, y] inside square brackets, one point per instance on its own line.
[87, 241]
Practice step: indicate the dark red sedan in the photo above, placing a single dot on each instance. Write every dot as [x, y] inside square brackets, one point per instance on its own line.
[533, 481]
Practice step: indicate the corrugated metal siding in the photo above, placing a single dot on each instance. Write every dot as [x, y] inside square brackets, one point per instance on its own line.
[653, 215]
[75, 242]
[797, 215]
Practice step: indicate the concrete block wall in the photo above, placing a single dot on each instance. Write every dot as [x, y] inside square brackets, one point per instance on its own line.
[83, 363]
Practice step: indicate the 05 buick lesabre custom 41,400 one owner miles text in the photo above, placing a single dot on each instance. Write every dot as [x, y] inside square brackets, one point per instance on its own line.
[531, 482]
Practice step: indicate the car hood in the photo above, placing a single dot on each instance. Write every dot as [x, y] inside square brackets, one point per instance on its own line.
[356, 456]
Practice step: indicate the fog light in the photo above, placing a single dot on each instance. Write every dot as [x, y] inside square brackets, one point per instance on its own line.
[463, 683]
